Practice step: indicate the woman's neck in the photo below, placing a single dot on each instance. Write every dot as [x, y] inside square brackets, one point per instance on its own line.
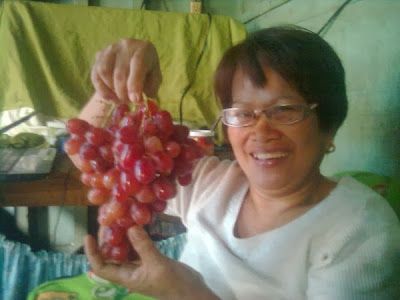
[307, 193]
[262, 211]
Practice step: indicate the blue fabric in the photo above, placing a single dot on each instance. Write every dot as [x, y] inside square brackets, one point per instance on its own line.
[173, 246]
[22, 270]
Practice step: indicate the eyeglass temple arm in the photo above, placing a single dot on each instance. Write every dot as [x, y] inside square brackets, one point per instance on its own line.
[215, 124]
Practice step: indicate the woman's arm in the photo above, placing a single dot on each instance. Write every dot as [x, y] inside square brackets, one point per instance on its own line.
[96, 111]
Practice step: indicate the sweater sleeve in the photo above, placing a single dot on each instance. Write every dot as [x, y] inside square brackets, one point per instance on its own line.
[364, 266]
[204, 174]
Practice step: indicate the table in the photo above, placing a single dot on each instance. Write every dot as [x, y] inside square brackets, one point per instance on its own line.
[62, 187]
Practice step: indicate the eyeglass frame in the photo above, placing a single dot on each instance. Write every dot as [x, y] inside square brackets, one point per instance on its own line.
[258, 112]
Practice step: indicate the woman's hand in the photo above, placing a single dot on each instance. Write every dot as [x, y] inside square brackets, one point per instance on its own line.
[124, 70]
[153, 275]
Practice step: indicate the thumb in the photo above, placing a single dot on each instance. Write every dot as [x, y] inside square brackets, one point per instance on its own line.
[142, 244]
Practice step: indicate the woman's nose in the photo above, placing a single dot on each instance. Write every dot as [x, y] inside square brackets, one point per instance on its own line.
[263, 129]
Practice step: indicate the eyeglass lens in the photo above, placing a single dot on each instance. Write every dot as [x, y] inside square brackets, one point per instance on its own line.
[286, 114]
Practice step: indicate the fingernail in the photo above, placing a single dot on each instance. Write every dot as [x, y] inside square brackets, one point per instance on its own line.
[135, 97]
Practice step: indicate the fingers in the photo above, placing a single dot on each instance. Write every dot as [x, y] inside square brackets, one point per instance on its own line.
[120, 77]
[145, 74]
[136, 78]
[105, 270]
[101, 235]
[92, 254]
[153, 82]
[126, 70]
[106, 64]
[102, 74]
[143, 245]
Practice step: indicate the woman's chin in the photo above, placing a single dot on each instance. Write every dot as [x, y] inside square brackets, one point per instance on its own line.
[271, 182]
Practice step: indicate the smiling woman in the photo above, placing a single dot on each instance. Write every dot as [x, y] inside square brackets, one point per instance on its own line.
[281, 161]
[268, 225]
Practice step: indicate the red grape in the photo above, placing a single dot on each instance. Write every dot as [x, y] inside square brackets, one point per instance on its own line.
[114, 235]
[111, 178]
[189, 152]
[118, 113]
[86, 178]
[99, 164]
[144, 170]
[172, 148]
[129, 155]
[119, 253]
[128, 134]
[140, 213]
[149, 127]
[119, 194]
[180, 133]
[126, 220]
[115, 210]
[158, 206]
[185, 179]
[129, 183]
[97, 136]
[88, 151]
[134, 119]
[145, 195]
[73, 144]
[84, 165]
[153, 144]
[96, 180]
[117, 148]
[107, 153]
[162, 162]
[98, 196]
[182, 167]
[133, 167]
[148, 109]
[77, 126]
[164, 188]
[164, 124]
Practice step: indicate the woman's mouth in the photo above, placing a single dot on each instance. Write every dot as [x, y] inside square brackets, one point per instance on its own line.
[269, 159]
[270, 155]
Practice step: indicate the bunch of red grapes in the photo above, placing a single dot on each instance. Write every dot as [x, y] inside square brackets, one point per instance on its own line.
[132, 167]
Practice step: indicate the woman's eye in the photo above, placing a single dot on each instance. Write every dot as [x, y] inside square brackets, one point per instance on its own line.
[243, 114]
[279, 109]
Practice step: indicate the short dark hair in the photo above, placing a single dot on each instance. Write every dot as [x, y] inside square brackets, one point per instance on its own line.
[301, 57]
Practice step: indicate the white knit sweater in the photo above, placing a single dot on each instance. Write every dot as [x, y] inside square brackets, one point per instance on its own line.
[346, 247]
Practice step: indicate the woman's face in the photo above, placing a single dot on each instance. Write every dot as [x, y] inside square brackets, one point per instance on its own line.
[276, 158]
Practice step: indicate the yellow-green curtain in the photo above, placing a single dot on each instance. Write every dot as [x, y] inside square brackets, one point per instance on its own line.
[47, 51]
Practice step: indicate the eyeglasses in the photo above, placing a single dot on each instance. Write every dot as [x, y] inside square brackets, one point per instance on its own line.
[280, 114]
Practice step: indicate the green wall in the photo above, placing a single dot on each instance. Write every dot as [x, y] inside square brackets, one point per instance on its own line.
[366, 36]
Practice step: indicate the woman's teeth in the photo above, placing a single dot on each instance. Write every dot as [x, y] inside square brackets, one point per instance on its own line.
[262, 156]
